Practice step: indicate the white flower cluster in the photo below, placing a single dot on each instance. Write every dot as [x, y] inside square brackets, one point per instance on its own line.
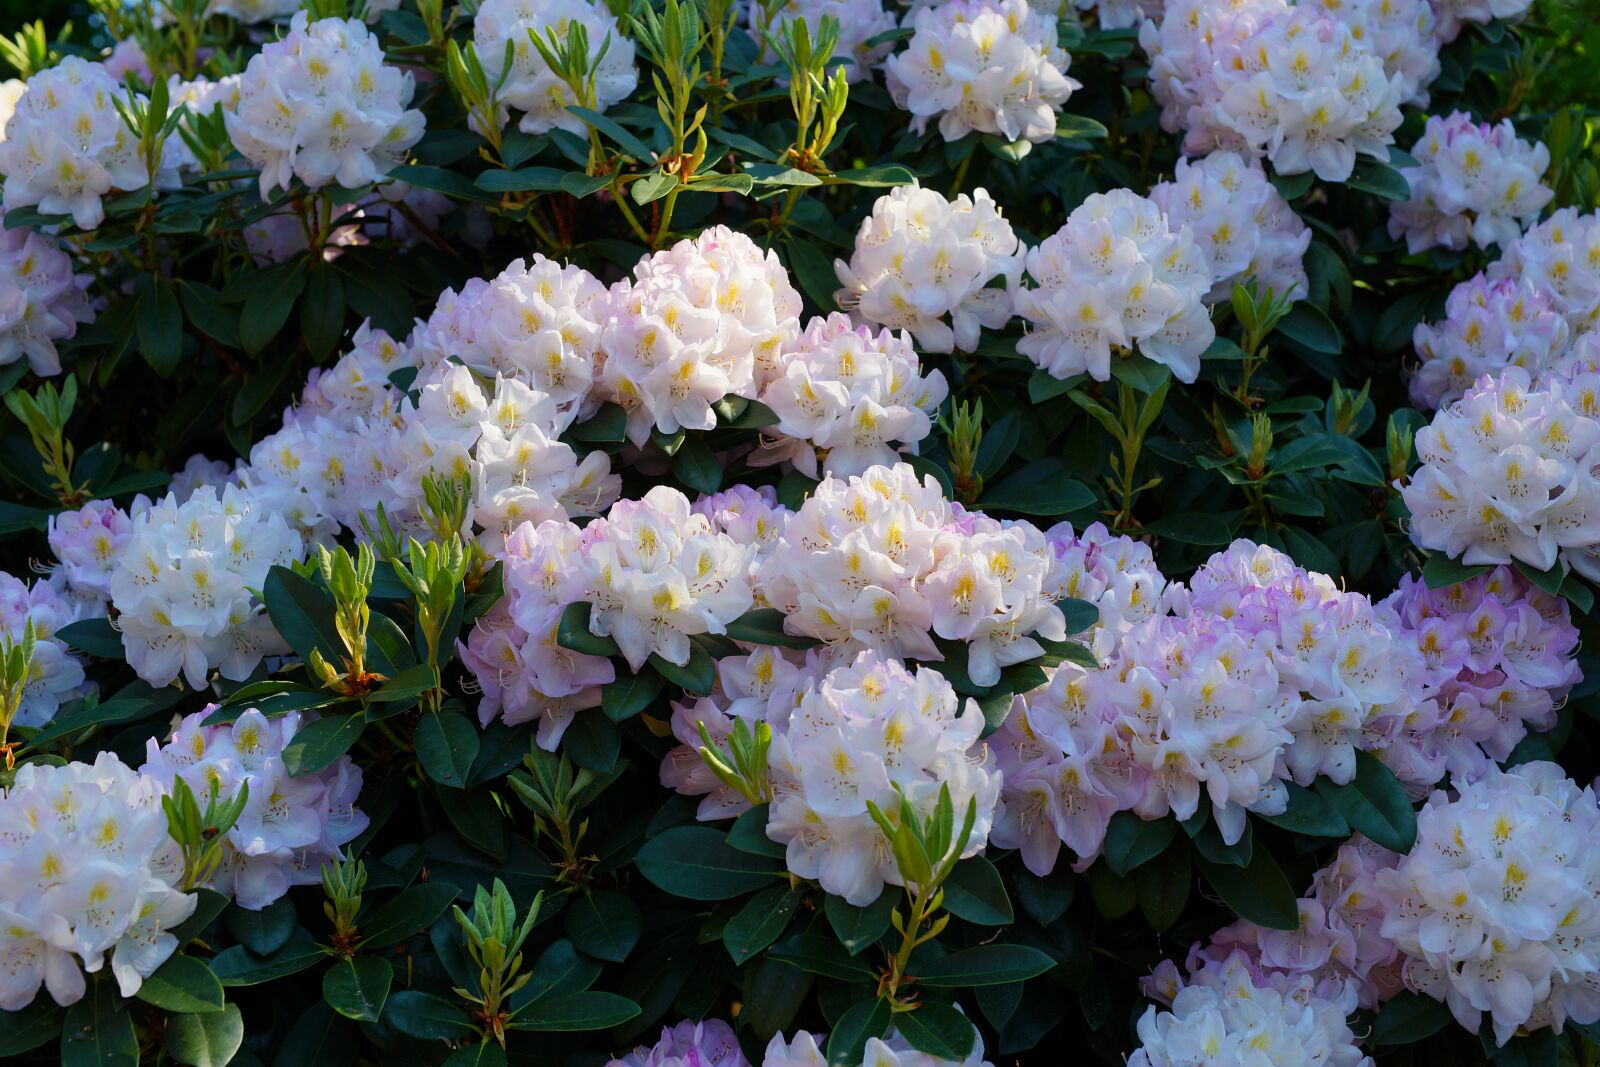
[1476, 183]
[883, 562]
[87, 869]
[55, 674]
[1453, 13]
[892, 1050]
[699, 321]
[1119, 14]
[1561, 258]
[993, 66]
[859, 22]
[1117, 276]
[930, 265]
[322, 106]
[846, 396]
[1240, 221]
[1496, 903]
[872, 731]
[1507, 474]
[1227, 1013]
[1261, 76]
[1488, 326]
[41, 299]
[182, 586]
[290, 826]
[66, 146]
[1261, 672]
[1402, 33]
[530, 85]
[1118, 575]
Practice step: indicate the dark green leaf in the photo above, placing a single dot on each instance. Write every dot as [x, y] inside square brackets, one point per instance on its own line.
[864, 1021]
[1408, 1018]
[819, 954]
[975, 892]
[1310, 326]
[357, 986]
[1258, 892]
[1131, 841]
[410, 912]
[697, 863]
[238, 966]
[1309, 814]
[1374, 803]
[209, 1040]
[446, 744]
[573, 632]
[593, 742]
[94, 636]
[160, 326]
[589, 1010]
[630, 694]
[1163, 887]
[760, 922]
[749, 834]
[266, 931]
[1440, 571]
[764, 626]
[939, 1030]
[605, 924]
[318, 745]
[272, 296]
[858, 929]
[319, 1038]
[1379, 179]
[182, 984]
[97, 1032]
[1043, 487]
[984, 965]
[426, 1017]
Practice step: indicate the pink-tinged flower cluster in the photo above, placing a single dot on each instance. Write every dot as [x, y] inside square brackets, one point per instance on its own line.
[1116, 574]
[522, 671]
[1507, 474]
[848, 398]
[883, 561]
[941, 269]
[655, 574]
[1257, 674]
[87, 871]
[1475, 184]
[1272, 79]
[291, 825]
[1499, 657]
[41, 299]
[992, 66]
[1229, 1011]
[710, 1043]
[1120, 274]
[701, 320]
[55, 675]
[1454, 13]
[1495, 905]
[1241, 223]
[86, 542]
[1338, 943]
[1560, 257]
[1488, 326]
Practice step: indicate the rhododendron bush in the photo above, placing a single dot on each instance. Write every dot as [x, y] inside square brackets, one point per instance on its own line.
[800, 533]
